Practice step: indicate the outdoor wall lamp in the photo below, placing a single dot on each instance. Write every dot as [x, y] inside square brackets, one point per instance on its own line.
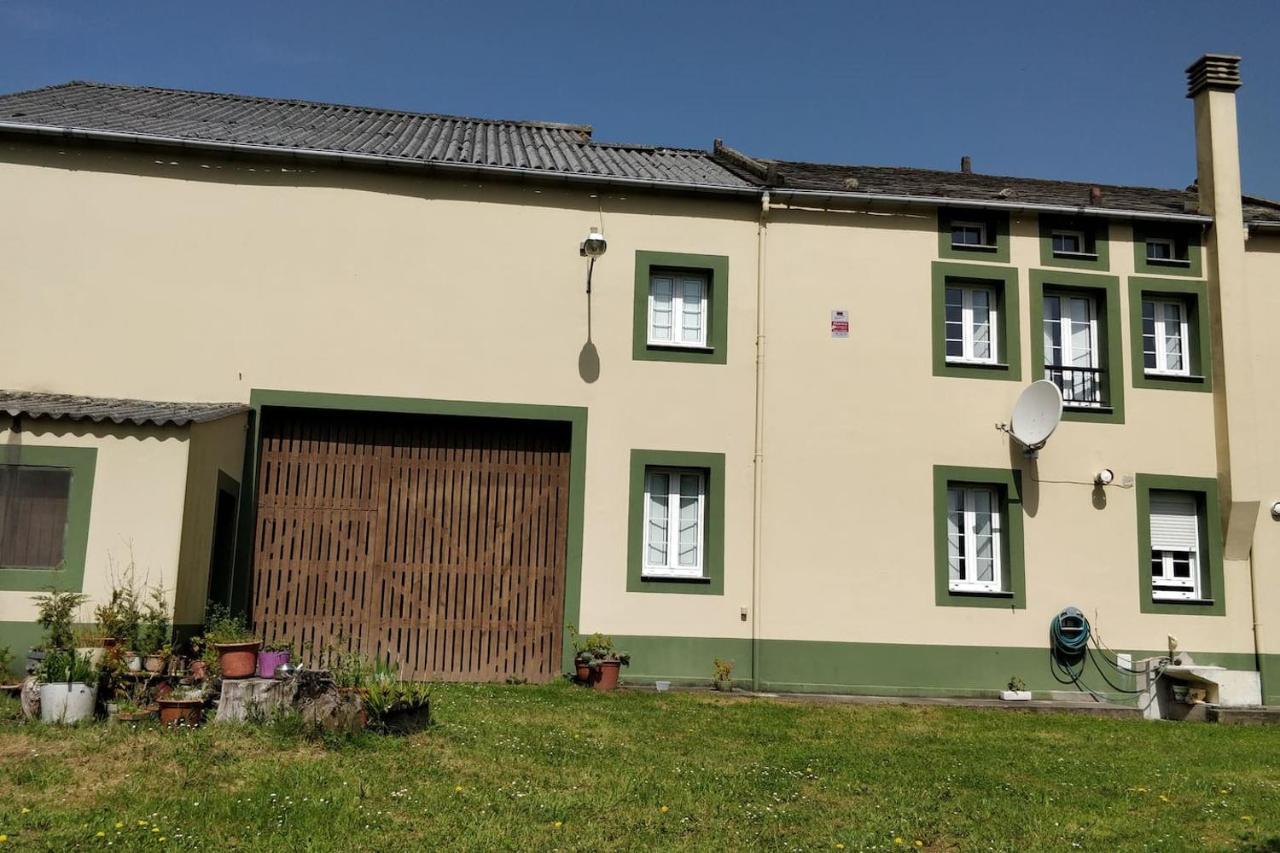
[592, 247]
[1275, 510]
[1104, 477]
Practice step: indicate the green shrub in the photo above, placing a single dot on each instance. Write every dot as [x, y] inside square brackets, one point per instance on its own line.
[55, 612]
[65, 666]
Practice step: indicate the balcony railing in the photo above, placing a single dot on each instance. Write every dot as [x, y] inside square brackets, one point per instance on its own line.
[1081, 387]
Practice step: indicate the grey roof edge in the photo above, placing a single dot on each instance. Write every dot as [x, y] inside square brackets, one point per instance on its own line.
[117, 410]
[987, 204]
[584, 129]
[351, 158]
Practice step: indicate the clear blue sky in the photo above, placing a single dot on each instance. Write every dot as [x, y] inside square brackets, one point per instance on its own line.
[1087, 90]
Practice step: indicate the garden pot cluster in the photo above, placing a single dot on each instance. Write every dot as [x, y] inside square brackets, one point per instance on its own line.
[597, 663]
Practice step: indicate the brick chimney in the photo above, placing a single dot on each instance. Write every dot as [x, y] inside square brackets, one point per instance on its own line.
[1212, 81]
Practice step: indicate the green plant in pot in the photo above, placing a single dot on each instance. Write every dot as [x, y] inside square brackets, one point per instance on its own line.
[68, 686]
[118, 617]
[723, 674]
[605, 661]
[581, 655]
[152, 642]
[229, 635]
[55, 612]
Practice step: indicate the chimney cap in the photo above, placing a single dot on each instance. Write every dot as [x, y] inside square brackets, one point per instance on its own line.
[966, 164]
[1213, 71]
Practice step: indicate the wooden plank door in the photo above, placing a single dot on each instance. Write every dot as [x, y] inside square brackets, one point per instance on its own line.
[434, 543]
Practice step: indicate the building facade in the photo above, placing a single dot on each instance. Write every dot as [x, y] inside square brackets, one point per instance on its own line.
[761, 426]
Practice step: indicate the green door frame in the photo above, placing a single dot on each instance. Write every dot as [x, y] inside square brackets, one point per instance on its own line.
[575, 416]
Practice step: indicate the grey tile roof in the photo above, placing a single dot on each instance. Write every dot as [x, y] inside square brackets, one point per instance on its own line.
[98, 409]
[531, 147]
[965, 186]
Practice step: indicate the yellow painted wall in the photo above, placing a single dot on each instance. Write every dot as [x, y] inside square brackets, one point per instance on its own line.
[136, 517]
[202, 279]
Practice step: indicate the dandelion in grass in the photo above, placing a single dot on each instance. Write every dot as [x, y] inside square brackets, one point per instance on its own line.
[119, 824]
[664, 809]
[100, 834]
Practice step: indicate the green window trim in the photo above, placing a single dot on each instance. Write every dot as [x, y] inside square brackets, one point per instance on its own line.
[1009, 483]
[1188, 235]
[712, 580]
[1008, 342]
[82, 461]
[1096, 232]
[1106, 289]
[1195, 295]
[996, 221]
[716, 268]
[1206, 489]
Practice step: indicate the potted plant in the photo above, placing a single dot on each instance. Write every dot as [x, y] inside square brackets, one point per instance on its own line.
[55, 612]
[397, 706]
[1017, 691]
[204, 659]
[273, 655]
[723, 674]
[605, 661]
[117, 619]
[183, 707]
[152, 642]
[235, 644]
[581, 656]
[68, 686]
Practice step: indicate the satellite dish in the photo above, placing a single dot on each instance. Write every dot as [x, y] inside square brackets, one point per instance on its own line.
[1036, 415]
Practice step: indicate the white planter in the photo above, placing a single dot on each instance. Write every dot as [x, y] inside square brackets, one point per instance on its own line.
[67, 703]
[1015, 695]
[134, 664]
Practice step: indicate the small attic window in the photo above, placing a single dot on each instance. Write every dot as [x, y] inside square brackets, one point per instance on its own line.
[1167, 250]
[1073, 243]
[971, 234]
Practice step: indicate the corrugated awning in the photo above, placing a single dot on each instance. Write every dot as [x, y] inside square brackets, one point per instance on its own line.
[117, 410]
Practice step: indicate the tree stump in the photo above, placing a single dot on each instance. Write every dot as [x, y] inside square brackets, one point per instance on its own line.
[255, 699]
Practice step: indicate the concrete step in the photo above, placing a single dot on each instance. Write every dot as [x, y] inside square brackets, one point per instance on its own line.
[1265, 716]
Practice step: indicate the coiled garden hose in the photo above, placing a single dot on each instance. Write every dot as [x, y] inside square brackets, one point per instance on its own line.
[1070, 631]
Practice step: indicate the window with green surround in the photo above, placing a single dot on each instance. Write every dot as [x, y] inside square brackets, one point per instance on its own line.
[1167, 249]
[975, 322]
[675, 522]
[978, 538]
[1080, 242]
[681, 308]
[1179, 545]
[1075, 321]
[973, 235]
[1169, 334]
[45, 498]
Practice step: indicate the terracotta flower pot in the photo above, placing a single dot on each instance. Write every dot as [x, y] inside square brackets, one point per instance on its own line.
[238, 660]
[605, 675]
[199, 670]
[583, 670]
[181, 712]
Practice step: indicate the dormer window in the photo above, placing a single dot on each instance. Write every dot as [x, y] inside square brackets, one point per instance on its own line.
[1165, 250]
[970, 234]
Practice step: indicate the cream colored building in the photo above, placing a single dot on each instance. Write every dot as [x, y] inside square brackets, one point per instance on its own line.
[449, 434]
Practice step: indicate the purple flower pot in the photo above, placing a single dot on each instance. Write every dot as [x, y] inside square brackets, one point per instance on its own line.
[268, 661]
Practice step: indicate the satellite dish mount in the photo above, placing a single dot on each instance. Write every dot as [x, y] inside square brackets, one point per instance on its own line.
[1035, 416]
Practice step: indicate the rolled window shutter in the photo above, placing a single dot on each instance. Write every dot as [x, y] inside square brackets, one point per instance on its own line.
[1175, 522]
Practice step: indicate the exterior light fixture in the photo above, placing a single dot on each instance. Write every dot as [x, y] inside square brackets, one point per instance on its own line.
[594, 245]
[1104, 477]
[1275, 510]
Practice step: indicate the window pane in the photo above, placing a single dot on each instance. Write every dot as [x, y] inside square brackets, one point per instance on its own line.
[657, 488]
[690, 488]
[1052, 330]
[1173, 344]
[691, 310]
[661, 289]
[955, 322]
[1159, 251]
[955, 541]
[33, 515]
[1149, 335]
[981, 324]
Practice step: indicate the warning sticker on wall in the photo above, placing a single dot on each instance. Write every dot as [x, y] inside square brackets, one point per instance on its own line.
[839, 324]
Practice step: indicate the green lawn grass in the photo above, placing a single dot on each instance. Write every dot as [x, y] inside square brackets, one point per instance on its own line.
[557, 767]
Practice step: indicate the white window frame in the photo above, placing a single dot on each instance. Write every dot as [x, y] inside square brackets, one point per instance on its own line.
[1080, 236]
[1173, 251]
[967, 325]
[982, 228]
[1164, 585]
[1160, 328]
[677, 310]
[968, 535]
[672, 567]
[1065, 336]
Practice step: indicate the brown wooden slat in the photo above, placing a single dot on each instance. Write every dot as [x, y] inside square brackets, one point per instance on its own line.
[434, 543]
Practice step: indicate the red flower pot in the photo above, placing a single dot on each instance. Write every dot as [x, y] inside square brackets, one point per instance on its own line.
[604, 675]
[583, 670]
[181, 712]
[238, 660]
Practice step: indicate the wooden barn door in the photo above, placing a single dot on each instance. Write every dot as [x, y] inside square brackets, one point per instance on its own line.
[434, 543]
